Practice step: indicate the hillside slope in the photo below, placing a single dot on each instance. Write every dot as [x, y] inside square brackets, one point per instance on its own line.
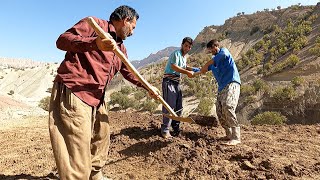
[23, 83]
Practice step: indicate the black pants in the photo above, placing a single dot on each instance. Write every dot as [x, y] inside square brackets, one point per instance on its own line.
[172, 94]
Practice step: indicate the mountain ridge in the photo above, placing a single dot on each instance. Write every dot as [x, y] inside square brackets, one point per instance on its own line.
[153, 57]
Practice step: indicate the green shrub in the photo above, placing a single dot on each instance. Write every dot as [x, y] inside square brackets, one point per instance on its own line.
[199, 86]
[266, 69]
[318, 40]
[299, 43]
[259, 45]
[269, 117]
[126, 102]
[243, 62]
[297, 81]
[44, 103]
[252, 58]
[259, 85]
[149, 105]
[122, 100]
[284, 94]
[204, 107]
[139, 95]
[250, 99]
[260, 71]
[192, 86]
[114, 98]
[268, 66]
[126, 90]
[292, 60]
[247, 90]
[315, 50]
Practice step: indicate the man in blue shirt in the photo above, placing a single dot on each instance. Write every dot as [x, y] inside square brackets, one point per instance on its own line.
[226, 73]
[171, 90]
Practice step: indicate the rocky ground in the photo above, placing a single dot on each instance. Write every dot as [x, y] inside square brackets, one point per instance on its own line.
[138, 152]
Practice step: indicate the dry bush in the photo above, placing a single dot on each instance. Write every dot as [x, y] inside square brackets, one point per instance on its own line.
[297, 81]
[247, 90]
[204, 107]
[269, 117]
[149, 105]
[44, 103]
[11, 92]
[139, 95]
[284, 94]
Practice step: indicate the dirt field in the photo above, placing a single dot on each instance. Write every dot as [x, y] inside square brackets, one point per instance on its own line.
[138, 152]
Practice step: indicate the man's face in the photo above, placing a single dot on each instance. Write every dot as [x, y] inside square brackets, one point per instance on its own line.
[127, 29]
[186, 47]
[213, 50]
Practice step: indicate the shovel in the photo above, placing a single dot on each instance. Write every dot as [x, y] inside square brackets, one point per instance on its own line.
[101, 33]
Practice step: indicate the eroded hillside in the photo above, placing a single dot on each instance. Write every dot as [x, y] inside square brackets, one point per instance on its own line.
[23, 83]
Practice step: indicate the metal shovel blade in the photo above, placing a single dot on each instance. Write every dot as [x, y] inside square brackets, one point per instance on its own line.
[178, 118]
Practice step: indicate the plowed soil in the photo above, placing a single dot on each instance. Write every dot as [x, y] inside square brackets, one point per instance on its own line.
[138, 152]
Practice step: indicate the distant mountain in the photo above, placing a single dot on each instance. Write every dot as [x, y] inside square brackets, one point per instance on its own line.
[19, 63]
[154, 57]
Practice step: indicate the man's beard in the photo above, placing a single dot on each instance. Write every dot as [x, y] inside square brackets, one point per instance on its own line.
[125, 32]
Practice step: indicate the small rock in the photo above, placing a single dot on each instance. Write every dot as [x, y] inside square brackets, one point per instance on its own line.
[247, 165]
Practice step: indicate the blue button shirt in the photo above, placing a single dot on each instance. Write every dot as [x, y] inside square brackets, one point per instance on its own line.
[224, 69]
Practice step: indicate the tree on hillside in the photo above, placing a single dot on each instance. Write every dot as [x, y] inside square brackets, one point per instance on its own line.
[44, 103]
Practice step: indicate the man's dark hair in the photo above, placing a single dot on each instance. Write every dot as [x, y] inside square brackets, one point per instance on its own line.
[123, 12]
[187, 39]
[212, 43]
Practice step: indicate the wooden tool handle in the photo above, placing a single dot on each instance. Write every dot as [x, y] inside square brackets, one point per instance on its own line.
[101, 33]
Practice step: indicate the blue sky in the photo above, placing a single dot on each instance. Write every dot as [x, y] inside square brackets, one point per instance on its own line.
[29, 28]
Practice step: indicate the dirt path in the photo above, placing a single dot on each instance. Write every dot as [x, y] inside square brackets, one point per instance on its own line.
[137, 151]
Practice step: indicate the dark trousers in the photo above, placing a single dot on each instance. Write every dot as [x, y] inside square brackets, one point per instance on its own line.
[173, 96]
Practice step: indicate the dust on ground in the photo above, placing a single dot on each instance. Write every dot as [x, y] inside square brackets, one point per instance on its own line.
[138, 152]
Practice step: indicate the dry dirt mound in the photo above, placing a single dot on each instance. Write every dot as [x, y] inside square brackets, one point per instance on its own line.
[138, 152]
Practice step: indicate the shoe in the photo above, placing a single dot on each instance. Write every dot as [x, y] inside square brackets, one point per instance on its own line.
[228, 136]
[225, 138]
[166, 135]
[175, 133]
[235, 137]
[105, 178]
[231, 142]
